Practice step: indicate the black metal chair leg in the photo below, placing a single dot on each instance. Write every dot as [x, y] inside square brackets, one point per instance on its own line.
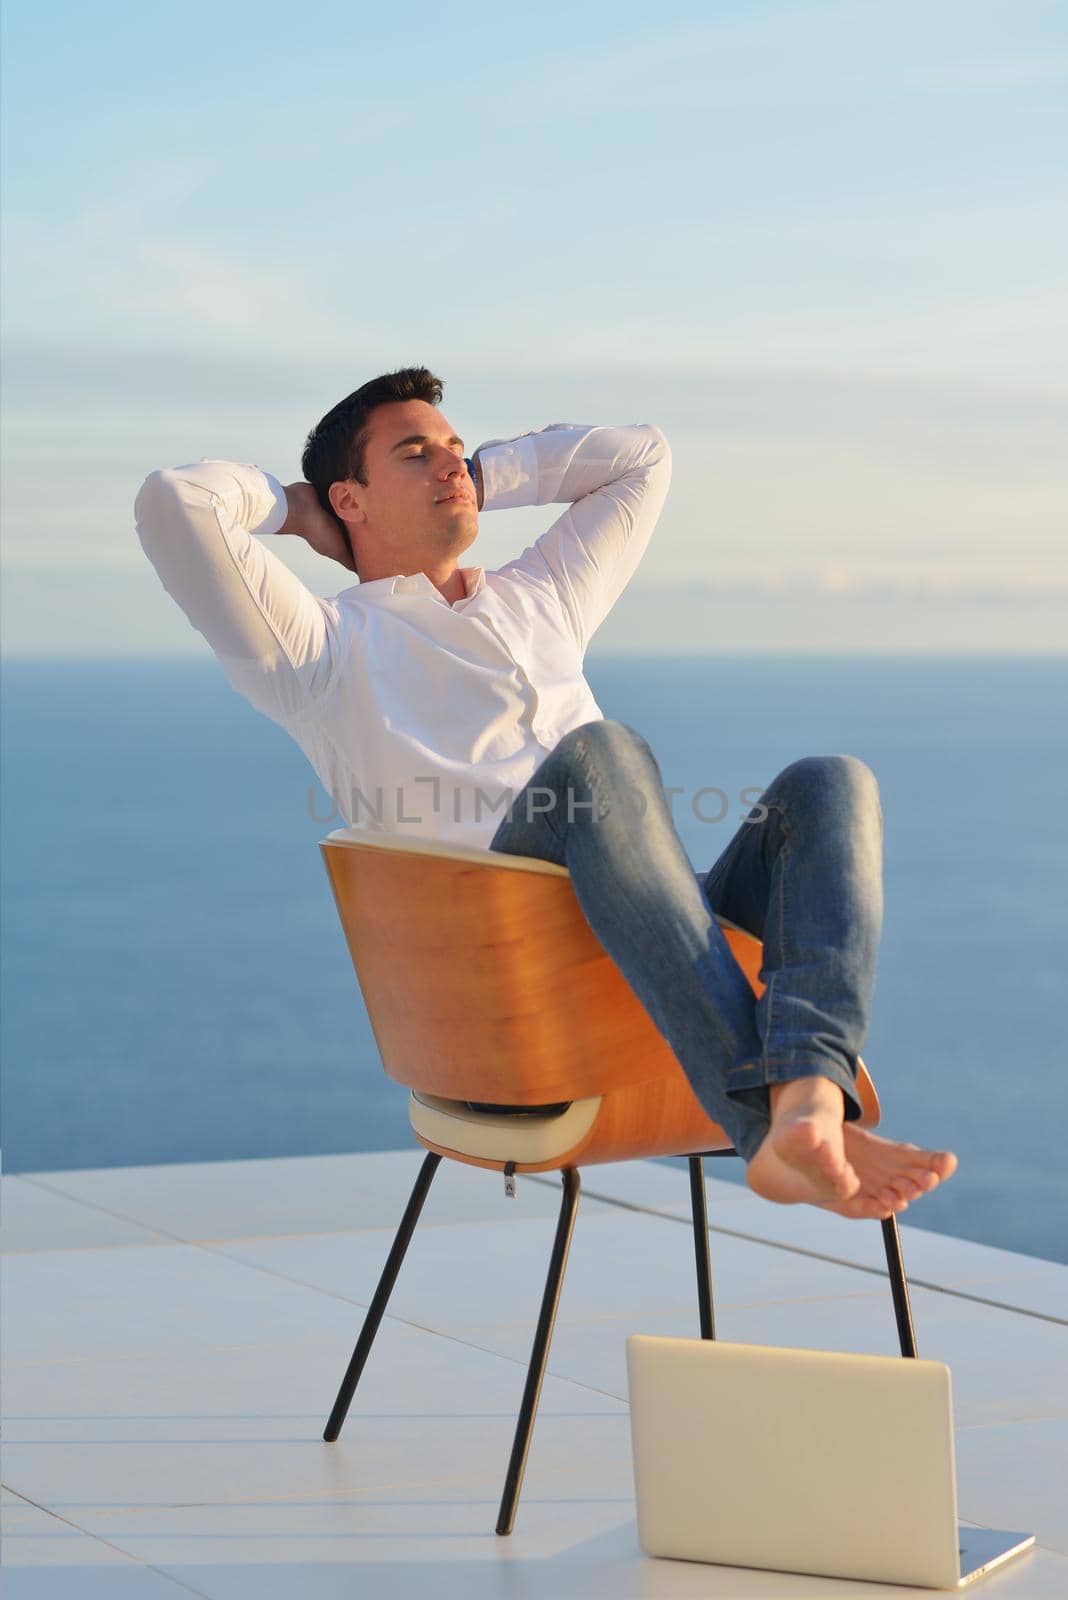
[699, 1207]
[539, 1354]
[377, 1307]
[898, 1286]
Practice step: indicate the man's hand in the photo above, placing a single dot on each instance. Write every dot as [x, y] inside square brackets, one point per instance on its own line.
[321, 529]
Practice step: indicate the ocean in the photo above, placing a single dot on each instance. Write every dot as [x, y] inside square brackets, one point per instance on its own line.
[176, 986]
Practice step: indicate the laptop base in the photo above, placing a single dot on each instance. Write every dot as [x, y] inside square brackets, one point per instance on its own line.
[983, 1549]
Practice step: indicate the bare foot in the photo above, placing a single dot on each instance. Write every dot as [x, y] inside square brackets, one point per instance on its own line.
[811, 1155]
[890, 1174]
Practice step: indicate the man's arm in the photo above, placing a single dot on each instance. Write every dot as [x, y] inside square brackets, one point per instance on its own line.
[198, 525]
[614, 480]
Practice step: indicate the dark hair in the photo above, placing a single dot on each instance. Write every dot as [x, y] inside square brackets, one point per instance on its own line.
[335, 447]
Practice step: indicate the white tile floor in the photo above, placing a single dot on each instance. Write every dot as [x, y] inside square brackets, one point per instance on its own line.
[173, 1338]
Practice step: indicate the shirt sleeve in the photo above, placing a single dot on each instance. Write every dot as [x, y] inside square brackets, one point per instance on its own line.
[614, 480]
[274, 638]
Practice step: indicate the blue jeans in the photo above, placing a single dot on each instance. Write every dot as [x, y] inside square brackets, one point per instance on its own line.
[803, 873]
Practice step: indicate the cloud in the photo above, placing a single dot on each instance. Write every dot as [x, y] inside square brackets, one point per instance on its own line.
[817, 54]
[744, 615]
[842, 585]
[77, 613]
[862, 477]
[990, 76]
[135, 284]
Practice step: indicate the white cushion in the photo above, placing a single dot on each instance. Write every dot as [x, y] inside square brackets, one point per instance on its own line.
[454, 1126]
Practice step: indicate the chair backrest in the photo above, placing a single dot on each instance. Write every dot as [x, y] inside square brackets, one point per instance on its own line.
[482, 978]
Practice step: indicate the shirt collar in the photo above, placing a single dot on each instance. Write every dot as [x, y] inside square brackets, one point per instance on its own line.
[474, 579]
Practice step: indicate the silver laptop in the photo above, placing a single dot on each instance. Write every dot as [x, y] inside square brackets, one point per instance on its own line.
[801, 1461]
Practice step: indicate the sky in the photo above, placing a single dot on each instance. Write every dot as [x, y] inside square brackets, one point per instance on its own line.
[822, 245]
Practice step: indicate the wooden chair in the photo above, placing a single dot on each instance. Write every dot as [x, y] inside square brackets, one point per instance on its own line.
[484, 982]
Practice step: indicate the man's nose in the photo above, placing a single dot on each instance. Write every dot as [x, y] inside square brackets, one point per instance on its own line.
[450, 464]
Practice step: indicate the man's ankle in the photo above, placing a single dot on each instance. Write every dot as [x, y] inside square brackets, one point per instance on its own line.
[811, 1089]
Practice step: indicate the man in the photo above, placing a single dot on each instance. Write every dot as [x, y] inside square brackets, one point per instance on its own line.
[430, 694]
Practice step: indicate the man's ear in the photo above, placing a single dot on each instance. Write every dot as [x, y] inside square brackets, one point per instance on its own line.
[346, 500]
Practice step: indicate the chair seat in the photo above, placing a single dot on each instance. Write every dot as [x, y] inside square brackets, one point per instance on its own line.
[451, 1125]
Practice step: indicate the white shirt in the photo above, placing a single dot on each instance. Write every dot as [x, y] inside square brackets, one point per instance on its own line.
[418, 716]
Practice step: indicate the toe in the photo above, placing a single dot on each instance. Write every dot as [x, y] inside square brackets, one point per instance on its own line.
[943, 1163]
[907, 1187]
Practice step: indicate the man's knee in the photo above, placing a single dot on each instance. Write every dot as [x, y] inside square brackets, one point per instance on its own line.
[603, 763]
[816, 778]
[605, 735]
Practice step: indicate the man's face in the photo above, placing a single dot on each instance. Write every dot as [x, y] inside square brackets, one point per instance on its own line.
[419, 503]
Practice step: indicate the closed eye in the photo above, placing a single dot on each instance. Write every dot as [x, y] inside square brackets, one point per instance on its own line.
[421, 439]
